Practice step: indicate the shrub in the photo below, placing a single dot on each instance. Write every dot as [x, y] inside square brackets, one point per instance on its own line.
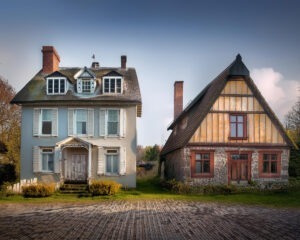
[7, 173]
[38, 190]
[5, 190]
[105, 187]
[176, 186]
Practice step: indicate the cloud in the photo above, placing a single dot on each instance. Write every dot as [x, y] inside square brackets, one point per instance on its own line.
[280, 93]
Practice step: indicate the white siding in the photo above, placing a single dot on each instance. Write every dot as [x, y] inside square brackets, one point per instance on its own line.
[122, 161]
[36, 166]
[101, 161]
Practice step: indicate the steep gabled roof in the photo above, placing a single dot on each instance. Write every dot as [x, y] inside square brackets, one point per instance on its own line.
[197, 110]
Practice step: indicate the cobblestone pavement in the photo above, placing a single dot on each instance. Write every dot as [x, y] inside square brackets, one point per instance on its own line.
[155, 219]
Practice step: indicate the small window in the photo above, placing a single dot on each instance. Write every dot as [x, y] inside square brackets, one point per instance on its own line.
[81, 121]
[112, 85]
[46, 121]
[86, 86]
[202, 164]
[112, 161]
[47, 160]
[269, 164]
[56, 86]
[238, 126]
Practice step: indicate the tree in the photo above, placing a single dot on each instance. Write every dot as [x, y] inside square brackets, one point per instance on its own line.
[10, 132]
[152, 153]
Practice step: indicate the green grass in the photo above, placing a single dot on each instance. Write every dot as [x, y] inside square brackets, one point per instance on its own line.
[149, 189]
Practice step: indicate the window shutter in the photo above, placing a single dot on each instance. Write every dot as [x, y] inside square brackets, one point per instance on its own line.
[102, 122]
[57, 159]
[90, 122]
[122, 167]
[36, 166]
[36, 121]
[70, 122]
[54, 122]
[122, 122]
[79, 86]
[93, 86]
[101, 161]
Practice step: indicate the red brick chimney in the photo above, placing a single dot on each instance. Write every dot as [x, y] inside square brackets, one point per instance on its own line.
[178, 98]
[123, 61]
[51, 59]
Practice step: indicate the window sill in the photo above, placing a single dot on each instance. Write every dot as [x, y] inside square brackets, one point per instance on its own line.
[112, 174]
[203, 175]
[48, 172]
[237, 138]
[45, 135]
[269, 175]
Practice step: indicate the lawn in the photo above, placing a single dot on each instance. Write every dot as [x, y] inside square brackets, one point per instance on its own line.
[148, 189]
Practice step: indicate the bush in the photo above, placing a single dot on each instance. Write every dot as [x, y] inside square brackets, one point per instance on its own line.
[7, 173]
[176, 187]
[106, 187]
[38, 190]
[5, 191]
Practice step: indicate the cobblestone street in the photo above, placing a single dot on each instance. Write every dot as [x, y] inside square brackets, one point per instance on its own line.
[156, 219]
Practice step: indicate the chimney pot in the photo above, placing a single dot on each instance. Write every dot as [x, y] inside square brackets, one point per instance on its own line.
[123, 61]
[178, 98]
[51, 59]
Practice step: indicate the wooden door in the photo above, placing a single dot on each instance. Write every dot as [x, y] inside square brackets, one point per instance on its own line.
[76, 169]
[239, 167]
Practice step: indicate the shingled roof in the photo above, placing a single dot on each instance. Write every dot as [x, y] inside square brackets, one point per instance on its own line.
[34, 91]
[197, 110]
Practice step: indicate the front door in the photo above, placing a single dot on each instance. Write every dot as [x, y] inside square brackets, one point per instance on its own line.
[76, 168]
[239, 167]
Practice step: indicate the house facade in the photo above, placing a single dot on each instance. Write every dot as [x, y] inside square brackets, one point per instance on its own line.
[227, 135]
[79, 124]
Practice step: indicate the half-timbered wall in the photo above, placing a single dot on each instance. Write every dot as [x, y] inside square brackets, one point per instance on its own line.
[236, 97]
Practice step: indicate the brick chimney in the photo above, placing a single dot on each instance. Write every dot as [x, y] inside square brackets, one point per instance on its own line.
[123, 61]
[95, 65]
[51, 59]
[178, 98]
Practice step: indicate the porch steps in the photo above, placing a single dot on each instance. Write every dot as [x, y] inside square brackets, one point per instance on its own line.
[74, 188]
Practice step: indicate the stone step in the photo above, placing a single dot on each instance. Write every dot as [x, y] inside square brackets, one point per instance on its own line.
[74, 189]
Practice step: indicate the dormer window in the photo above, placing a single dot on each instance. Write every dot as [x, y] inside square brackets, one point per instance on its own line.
[85, 81]
[86, 86]
[113, 85]
[56, 86]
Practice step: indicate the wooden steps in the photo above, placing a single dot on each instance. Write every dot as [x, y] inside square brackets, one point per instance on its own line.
[74, 188]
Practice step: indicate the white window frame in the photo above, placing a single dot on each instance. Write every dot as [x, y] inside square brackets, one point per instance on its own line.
[121, 123]
[112, 152]
[41, 122]
[48, 151]
[38, 120]
[110, 78]
[75, 121]
[53, 79]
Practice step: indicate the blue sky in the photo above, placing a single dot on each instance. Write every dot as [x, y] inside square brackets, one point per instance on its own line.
[165, 41]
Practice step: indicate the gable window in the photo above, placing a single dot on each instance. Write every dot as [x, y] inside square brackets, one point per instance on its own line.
[238, 126]
[269, 164]
[112, 85]
[56, 86]
[47, 160]
[112, 122]
[202, 164]
[112, 161]
[86, 86]
[81, 121]
[45, 121]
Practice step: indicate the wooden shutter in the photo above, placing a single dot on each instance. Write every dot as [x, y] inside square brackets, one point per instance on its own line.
[54, 122]
[79, 85]
[90, 122]
[101, 161]
[36, 161]
[93, 86]
[70, 121]
[102, 122]
[122, 167]
[122, 122]
[36, 121]
[57, 153]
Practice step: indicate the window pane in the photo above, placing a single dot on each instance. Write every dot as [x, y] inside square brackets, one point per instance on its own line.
[50, 86]
[265, 167]
[274, 157]
[81, 115]
[46, 114]
[232, 118]
[232, 130]
[113, 115]
[81, 127]
[112, 85]
[46, 127]
[47, 160]
[205, 156]
[273, 167]
[198, 167]
[106, 85]
[243, 156]
[113, 122]
[50, 162]
[56, 85]
[198, 156]
[265, 157]
[115, 164]
[112, 128]
[108, 163]
[240, 119]
[62, 86]
[119, 85]
[206, 168]
[86, 86]
[240, 130]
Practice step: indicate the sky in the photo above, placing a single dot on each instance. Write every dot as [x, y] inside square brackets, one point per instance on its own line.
[165, 41]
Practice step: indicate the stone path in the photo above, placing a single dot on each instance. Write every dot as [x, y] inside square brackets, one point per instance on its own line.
[155, 219]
